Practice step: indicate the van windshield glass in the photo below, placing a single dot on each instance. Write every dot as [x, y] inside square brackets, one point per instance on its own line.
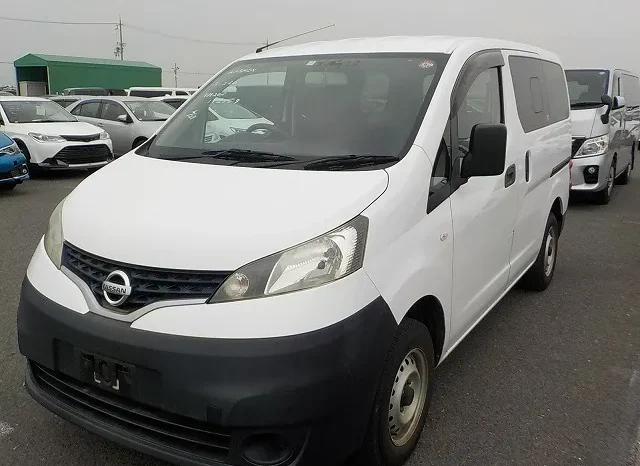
[305, 108]
[586, 87]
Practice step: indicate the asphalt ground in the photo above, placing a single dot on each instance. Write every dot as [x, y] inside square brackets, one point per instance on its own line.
[546, 379]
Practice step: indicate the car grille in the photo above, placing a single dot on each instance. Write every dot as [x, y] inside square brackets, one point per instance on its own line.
[189, 436]
[576, 144]
[89, 138]
[149, 285]
[74, 155]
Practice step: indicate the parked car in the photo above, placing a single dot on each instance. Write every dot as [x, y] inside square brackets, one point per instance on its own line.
[175, 101]
[65, 100]
[283, 295]
[605, 113]
[13, 164]
[159, 91]
[129, 120]
[50, 137]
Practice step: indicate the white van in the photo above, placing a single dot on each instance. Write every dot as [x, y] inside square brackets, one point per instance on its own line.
[281, 295]
[605, 113]
[159, 91]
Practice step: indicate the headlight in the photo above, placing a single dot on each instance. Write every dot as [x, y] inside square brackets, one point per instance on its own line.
[53, 238]
[10, 150]
[322, 260]
[104, 135]
[594, 146]
[46, 138]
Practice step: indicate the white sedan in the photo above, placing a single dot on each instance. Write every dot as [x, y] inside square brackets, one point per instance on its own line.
[50, 137]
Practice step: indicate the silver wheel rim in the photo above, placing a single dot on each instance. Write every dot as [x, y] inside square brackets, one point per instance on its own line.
[550, 252]
[628, 170]
[612, 175]
[408, 396]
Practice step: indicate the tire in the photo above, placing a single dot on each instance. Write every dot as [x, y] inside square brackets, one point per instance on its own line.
[603, 197]
[387, 442]
[33, 169]
[541, 272]
[7, 186]
[625, 177]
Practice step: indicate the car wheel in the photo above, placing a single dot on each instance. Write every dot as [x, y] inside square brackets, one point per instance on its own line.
[33, 169]
[7, 186]
[604, 197]
[541, 272]
[625, 177]
[402, 399]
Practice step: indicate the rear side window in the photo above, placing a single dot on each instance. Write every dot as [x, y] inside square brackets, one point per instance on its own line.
[90, 109]
[631, 90]
[541, 92]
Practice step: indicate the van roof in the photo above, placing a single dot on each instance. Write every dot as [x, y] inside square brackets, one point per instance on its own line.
[390, 44]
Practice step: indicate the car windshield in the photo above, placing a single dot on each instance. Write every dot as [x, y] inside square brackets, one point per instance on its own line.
[231, 110]
[150, 110]
[27, 111]
[305, 108]
[586, 87]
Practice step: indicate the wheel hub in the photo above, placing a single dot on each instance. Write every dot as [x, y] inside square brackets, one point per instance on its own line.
[550, 252]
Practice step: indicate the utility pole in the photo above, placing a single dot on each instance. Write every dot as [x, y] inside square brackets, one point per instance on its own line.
[120, 45]
[175, 73]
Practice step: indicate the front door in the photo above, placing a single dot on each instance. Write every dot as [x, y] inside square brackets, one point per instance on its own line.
[483, 208]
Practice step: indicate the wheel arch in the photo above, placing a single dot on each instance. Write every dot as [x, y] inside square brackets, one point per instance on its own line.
[557, 210]
[429, 311]
[138, 142]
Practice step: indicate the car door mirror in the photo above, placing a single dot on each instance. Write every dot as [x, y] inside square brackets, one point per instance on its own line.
[124, 118]
[487, 151]
[618, 102]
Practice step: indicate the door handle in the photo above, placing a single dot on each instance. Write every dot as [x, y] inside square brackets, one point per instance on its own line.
[527, 156]
[510, 176]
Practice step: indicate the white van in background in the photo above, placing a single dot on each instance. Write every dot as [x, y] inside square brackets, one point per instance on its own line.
[159, 91]
[282, 295]
[605, 115]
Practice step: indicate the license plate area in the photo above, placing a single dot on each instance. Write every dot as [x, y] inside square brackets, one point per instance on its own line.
[106, 373]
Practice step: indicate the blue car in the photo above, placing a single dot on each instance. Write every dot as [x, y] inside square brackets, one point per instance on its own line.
[13, 164]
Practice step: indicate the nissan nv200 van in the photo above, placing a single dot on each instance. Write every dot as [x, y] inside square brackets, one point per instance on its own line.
[605, 114]
[281, 295]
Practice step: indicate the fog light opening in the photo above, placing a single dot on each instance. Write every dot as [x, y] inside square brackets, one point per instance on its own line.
[266, 449]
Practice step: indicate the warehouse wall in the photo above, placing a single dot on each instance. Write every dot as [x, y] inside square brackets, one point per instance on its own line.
[62, 76]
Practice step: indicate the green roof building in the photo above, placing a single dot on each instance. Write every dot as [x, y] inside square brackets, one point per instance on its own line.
[51, 74]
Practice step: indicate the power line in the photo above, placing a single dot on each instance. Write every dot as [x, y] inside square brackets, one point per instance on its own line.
[189, 39]
[75, 23]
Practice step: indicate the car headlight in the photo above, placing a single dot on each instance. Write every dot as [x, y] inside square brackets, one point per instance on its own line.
[104, 135]
[594, 146]
[54, 238]
[46, 138]
[11, 149]
[322, 260]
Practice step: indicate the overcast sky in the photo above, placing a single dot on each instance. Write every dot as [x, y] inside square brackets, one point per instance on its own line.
[582, 32]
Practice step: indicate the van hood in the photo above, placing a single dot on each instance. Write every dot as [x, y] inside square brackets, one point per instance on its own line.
[181, 215]
[583, 122]
[71, 128]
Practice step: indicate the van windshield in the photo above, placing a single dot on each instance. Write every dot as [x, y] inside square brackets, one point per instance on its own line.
[305, 108]
[586, 87]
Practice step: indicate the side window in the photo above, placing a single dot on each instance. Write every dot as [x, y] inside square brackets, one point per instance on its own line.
[631, 90]
[528, 84]
[556, 84]
[111, 110]
[90, 109]
[482, 104]
[76, 110]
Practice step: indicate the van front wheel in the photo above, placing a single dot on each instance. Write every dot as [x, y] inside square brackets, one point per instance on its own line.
[541, 272]
[402, 400]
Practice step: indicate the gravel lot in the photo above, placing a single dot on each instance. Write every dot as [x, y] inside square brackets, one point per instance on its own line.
[545, 379]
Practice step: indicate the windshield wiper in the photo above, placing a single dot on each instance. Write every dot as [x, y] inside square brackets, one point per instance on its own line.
[240, 155]
[587, 104]
[350, 161]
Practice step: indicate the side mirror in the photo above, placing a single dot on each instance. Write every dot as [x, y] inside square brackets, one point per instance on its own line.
[487, 151]
[618, 102]
[606, 100]
[123, 118]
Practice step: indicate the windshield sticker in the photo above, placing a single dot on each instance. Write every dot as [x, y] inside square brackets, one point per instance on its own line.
[193, 115]
[311, 63]
[426, 64]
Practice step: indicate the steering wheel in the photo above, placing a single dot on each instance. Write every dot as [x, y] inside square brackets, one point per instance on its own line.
[268, 127]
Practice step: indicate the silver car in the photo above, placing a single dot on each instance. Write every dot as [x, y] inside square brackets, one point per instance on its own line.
[129, 120]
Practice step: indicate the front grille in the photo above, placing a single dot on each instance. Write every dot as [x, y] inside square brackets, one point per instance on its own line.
[89, 138]
[189, 436]
[576, 144]
[74, 155]
[149, 285]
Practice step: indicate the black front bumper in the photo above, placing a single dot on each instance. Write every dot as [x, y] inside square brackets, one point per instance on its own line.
[195, 401]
